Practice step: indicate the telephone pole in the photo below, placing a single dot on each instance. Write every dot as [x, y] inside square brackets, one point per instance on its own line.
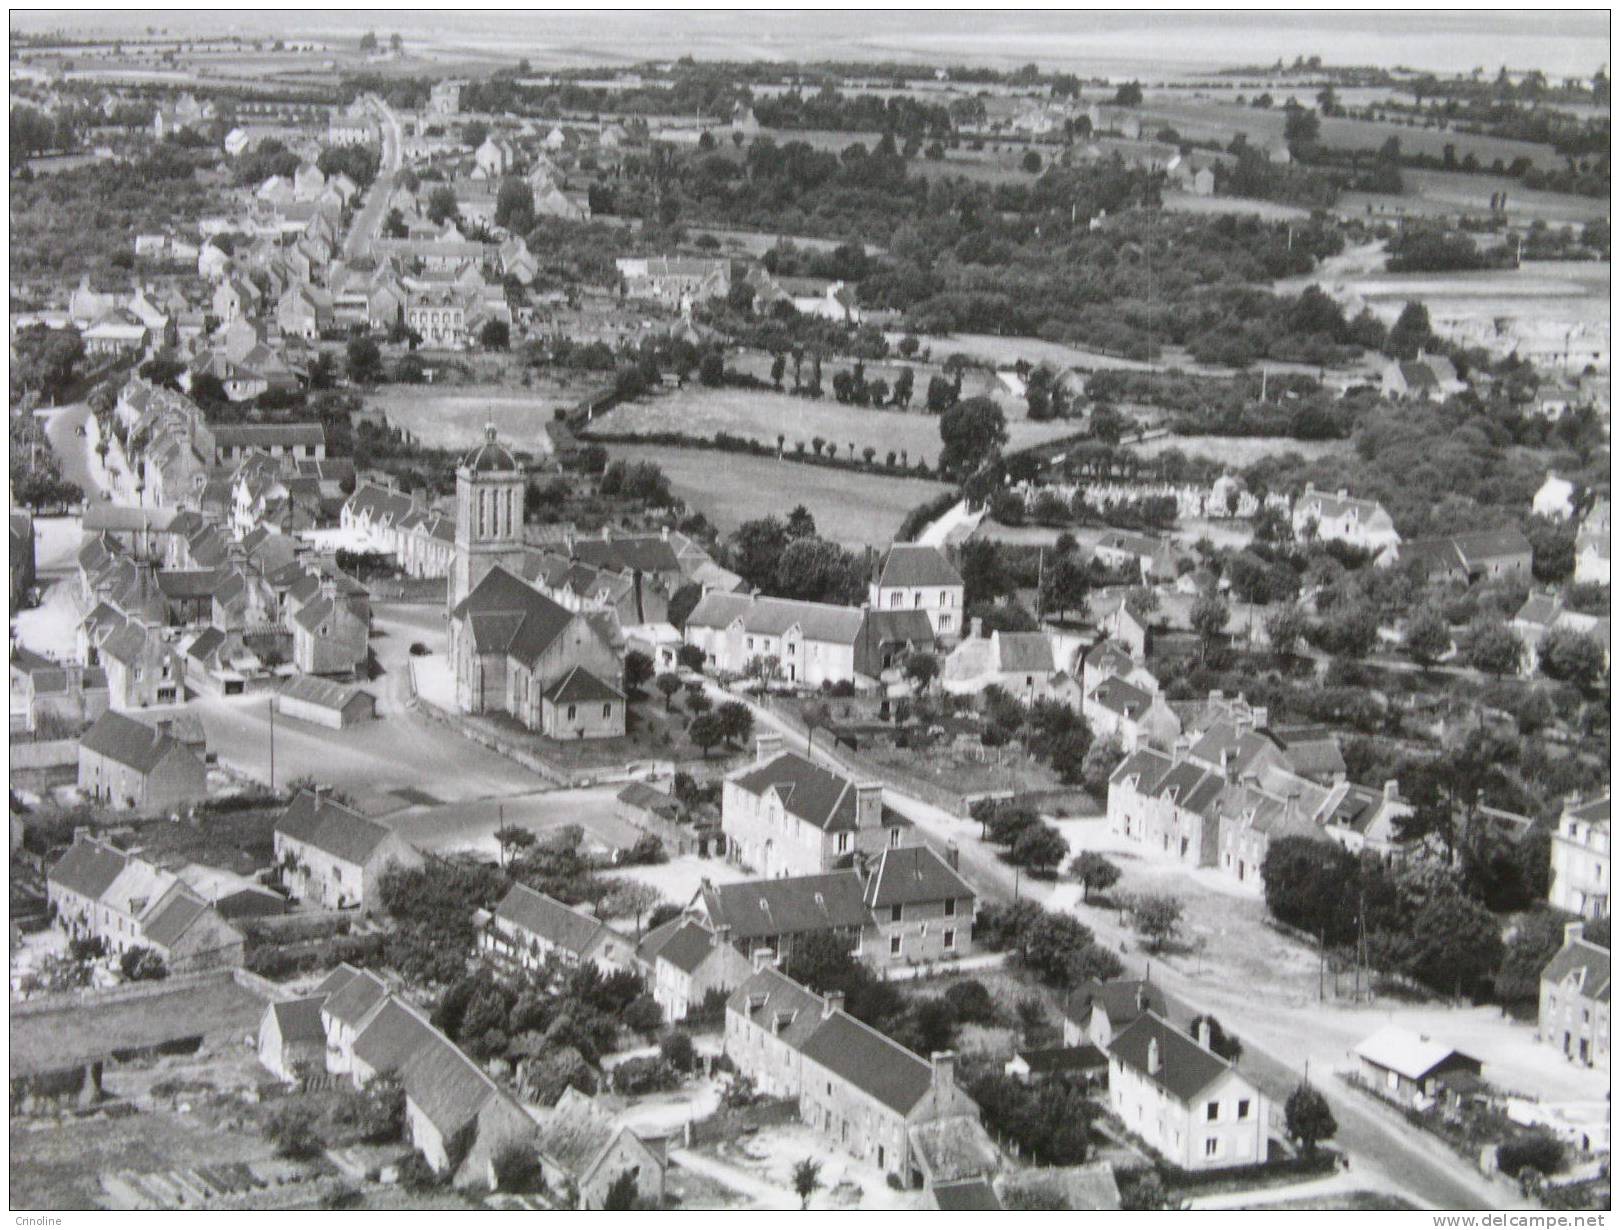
[272, 705]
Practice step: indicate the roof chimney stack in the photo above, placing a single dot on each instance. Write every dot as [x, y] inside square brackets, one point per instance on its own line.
[1572, 931]
[1154, 1063]
[767, 747]
[1392, 791]
[953, 856]
[943, 1064]
[834, 1002]
[763, 958]
[1203, 1034]
[868, 805]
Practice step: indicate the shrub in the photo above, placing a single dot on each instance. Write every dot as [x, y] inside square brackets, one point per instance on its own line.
[416, 1175]
[644, 1075]
[678, 1052]
[1536, 1151]
[644, 1015]
[292, 1130]
[971, 1002]
[517, 1168]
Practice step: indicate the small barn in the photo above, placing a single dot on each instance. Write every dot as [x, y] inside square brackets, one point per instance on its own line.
[325, 703]
[1407, 1067]
[292, 1039]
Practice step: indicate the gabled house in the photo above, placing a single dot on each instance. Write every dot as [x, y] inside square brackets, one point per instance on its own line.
[332, 856]
[1574, 1014]
[1407, 1068]
[788, 816]
[529, 930]
[1095, 1011]
[1341, 517]
[1592, 545]
[131, 764]
[1187, 1102]
[584, 1150]
[912, 576]
[1134, 716]
[686, 960]
[1582, 873]
[329, 637]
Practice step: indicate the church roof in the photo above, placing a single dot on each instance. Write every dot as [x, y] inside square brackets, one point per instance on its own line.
[490, 456]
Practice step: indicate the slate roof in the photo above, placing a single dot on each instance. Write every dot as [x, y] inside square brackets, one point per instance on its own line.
[877, 1065]
[646, 553]
[1025, 651]
[299, 1020]
[819, 621]
[329, 826]
[1122, 1000]
[88, 868]
[755, 909]
[1185, 1068]
[908, 625]
[511, 617]
[128, 742]
[685, 944]
[549, 918]
[576, 1133]
[649, 798]
[1492, 544]
[445, 1085]
[1117, 696]
[1586, 964]
[1595, 812]
[317, 691]
[204, 643]
[171, 917]
[352, 994]
[390, 1039]
[775, 1002]
[1147, 765]
[1047, 1060]
[913, 564]
[913, 874]
[966, 1196]
[268, 435]
[580, 686]
[808, 791]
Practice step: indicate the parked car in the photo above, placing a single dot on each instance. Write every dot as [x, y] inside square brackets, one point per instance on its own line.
[419, 650]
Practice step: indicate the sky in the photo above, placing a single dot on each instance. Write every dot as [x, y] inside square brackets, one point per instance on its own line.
[1114, 43]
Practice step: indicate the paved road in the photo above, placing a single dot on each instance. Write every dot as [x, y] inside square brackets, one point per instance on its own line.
[72, 450]
[1386, 1152]
[368, 221]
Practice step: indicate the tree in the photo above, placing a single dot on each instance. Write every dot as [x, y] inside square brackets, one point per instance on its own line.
[973, 432]
[1032, 162]
[365, 361]
[368, 42]
[1142, 602]
[736, 722]
[514, 206]
[806, 1179]
[517, 1168]
[677, 1051]
[495, 335]
[1128, 95]
[689, 657]
[638, 669]
[631, 900]
[681, 605]
[1308, 1118]
[622, 1195]
[1221, 1042]
[1536, 940]
[291, 1128]
[1411, 333]
[1428, 635]
[1488, 644]
[668, 683]
[1064, 585]
[1209, 616]
[142, 964]
[1040, 847]
[1538, 1151]
[1095, 872]
[1286, 628]
[1158, 917]
[513, 839]
[922, 668]
[712, 369]
[442, 205]
[706, 731]
[1572, 657]
[904, 382]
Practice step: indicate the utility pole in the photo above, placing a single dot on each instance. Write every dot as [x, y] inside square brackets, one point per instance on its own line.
[272, 705]
[1321, 961]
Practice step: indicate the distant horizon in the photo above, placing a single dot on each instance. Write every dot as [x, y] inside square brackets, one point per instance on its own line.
[1559, 43]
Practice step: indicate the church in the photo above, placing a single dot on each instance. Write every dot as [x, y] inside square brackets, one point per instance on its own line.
[516, 651]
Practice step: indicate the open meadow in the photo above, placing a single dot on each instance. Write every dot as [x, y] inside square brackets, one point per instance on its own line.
[762, 416]
[455, 417]
[851, 508]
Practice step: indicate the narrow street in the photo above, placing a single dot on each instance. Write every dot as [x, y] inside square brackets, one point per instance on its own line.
[1280, 1042]
[368, 219]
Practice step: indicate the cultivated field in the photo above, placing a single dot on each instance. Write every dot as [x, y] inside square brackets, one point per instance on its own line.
[1440, 194]
[455, 417]
[697, 411]
[730, 488]
[1270, 211]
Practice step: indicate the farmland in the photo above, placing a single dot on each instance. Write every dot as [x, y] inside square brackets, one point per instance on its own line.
[1240, 451]
[446, 418]
[730, 488]
[697, 411]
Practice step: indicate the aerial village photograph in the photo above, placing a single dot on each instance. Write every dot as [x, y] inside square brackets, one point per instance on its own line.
[843, 610]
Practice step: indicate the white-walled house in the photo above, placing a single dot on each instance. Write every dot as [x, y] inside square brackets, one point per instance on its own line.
[1341, 517]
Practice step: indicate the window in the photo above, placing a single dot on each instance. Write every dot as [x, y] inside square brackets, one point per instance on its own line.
[944, 623]
[843, 843]
[572, 710]
[895, 912]
[1243, 1108]
[950, 907]
[894, 945]
[1212, 1146]
[894, 838]
[950, 940]
[1212, 1111]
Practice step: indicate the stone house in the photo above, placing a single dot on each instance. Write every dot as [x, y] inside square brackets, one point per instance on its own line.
[1574, 1014]
[133, 765]
[332, 856]
[529, 929]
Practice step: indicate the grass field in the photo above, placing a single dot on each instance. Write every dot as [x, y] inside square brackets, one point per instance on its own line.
[48, 1040]
[729, 488]
[699, 411]
[1440, 194]
[455, 417]
[1270, 211]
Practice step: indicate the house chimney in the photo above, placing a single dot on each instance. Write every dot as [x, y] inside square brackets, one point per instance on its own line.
[975, 628]
[953, 856]
[1224, 757]
[868, 804]
[833, 1002]
[1153, 1061]
[1572, 931]
[1392, 791]
[1261, 715]
[767, 747]
[1291, 808]
[943, 1064]
[1180, 748]
[1203, 1034]
[722, 934]
[763, 958]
